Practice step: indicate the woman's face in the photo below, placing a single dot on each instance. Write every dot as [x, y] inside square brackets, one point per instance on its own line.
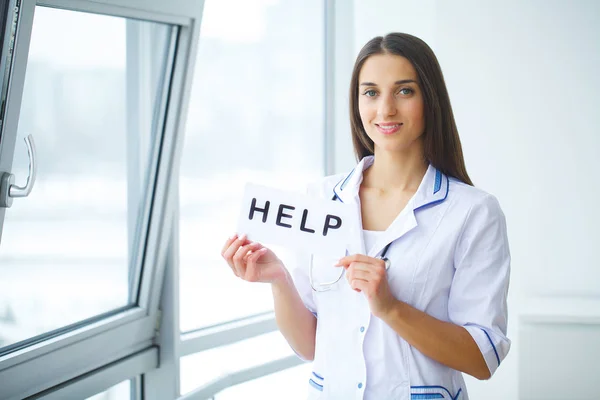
[390, 103]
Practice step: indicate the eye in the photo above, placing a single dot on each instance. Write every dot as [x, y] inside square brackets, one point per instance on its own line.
[405, 91]
[370, 93]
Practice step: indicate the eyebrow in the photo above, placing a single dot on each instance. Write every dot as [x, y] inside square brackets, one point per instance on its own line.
[402, 82]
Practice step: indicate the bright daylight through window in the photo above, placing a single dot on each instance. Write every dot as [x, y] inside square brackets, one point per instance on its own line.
[256, 114]
[69, 250]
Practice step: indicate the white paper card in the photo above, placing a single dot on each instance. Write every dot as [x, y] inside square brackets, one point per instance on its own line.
[296, 221]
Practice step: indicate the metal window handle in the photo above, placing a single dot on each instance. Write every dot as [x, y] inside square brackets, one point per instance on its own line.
[8, 190]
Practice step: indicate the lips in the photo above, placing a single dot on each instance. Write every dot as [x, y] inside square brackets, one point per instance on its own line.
[389, 128]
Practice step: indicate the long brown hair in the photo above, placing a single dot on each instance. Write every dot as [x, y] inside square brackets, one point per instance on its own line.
[441, 142]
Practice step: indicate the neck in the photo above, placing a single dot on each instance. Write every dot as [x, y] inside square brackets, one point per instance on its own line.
[396, 171]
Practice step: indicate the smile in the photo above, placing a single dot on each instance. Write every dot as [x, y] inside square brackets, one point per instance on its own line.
[388, 129]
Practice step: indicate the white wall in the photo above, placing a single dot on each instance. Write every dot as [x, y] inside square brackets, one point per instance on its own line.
[524, 81]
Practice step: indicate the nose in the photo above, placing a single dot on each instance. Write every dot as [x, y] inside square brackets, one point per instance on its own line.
[387, 106]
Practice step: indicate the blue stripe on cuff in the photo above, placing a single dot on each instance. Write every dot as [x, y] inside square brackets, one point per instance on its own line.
[494, 347]
[315, 385]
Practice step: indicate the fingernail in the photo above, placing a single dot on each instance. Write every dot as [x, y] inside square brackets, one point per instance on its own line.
[243, 237]
[232, 236]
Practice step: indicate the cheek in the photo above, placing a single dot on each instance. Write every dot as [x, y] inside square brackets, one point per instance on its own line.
[414, 109]
[366, 112]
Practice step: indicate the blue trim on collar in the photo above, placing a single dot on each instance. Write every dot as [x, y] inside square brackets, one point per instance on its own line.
[336, 196]
[438, 200]
[438, 181]
[345, 180]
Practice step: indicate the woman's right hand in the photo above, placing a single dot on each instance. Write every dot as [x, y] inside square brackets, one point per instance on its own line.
[251, 261]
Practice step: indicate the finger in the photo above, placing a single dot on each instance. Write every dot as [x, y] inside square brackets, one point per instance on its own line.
[359, 285]
[248, 254]
[377, 269]
[357, 258]
[252, 270]
[362, 266]
[228, 242]
[366, 276]
[238, 259]
[233, 248]
[254, 247]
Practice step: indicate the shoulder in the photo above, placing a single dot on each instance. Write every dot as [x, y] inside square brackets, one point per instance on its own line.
[473, 202]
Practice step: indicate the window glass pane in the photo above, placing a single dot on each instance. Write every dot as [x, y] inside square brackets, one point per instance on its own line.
[92, 92]
[121, 391]
[201, 368]
[256, 114]
[289, 384]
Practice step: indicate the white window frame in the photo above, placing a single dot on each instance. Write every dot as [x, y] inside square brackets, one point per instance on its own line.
[91, 349]
[14, 80]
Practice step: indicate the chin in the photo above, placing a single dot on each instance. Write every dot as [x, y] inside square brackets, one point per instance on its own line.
[399, 146]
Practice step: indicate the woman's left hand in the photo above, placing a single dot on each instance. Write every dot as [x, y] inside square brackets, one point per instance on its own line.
[368, 275]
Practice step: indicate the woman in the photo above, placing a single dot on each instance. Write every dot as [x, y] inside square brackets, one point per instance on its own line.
[439, 308]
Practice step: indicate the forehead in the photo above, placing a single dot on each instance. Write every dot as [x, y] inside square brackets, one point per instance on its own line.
[386, 69]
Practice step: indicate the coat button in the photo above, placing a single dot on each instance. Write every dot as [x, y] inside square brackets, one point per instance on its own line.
[362, 328]
[360, 385]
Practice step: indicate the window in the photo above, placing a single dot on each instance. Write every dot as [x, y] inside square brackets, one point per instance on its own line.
[82, 256]
[291, 384]
[256, 114]
[232, 363]
[71, 250]
[202, 368]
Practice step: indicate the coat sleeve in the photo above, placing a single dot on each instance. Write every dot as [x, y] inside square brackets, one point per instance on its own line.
[478, 296]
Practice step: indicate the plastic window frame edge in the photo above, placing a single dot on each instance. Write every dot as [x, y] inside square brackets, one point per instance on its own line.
[228, 333]
[154, 215]
[208, 338]
[163, 383]
[75, 359]
[344, 56]
[149, 13]
[106, 333]
[329, 86]
[97, 381]
[15, 86]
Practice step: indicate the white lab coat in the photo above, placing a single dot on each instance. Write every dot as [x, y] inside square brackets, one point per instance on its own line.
[449, 258]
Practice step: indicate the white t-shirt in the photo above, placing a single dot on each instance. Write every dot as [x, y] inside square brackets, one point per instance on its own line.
[370, 238]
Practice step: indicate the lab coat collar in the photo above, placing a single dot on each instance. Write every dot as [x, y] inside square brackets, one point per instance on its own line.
[346, 190]
[433, 188]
